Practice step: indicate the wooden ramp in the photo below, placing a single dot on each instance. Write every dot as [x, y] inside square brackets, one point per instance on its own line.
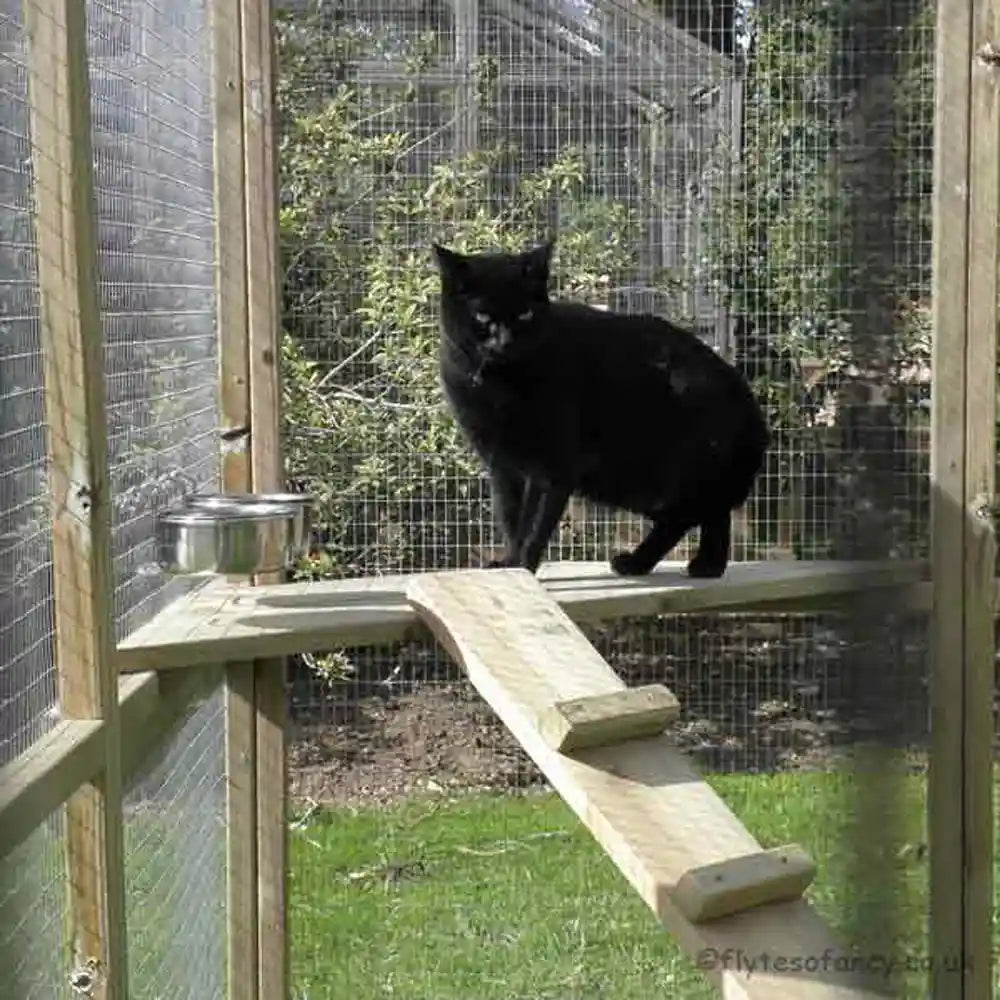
[728, 903]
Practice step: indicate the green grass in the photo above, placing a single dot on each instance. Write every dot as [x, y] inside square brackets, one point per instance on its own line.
[491, 897]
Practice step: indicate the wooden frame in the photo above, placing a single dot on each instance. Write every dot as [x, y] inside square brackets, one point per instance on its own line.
[110, 723]
[234, 401]
[267, 474]
[83, 579]
[966, 217]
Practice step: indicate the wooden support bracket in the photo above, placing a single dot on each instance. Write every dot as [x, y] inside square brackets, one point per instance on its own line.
[727, 887]
[602, 719]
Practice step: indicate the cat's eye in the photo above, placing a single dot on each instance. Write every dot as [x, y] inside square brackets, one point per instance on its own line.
[526, 316]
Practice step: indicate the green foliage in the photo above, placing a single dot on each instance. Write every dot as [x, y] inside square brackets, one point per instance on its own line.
[367, 429]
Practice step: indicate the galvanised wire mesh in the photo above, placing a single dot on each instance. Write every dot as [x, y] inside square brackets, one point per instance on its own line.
[32, 876]
[176, 861]
[697, 160]
[151, 84]
[33, 952]
[27, 678]
[153, 122]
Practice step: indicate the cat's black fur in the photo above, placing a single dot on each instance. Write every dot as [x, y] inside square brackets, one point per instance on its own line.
[559, 399]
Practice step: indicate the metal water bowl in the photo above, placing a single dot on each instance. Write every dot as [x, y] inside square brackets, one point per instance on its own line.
[233, 535]
[302, 502]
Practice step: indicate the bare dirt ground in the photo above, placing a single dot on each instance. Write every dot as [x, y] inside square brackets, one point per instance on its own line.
[756, 696]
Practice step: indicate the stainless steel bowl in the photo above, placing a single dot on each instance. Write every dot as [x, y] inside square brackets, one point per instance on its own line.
[239, 539]
[303, 504]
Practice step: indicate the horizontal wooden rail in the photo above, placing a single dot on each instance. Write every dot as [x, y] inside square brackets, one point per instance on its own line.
[37, 782]
[228, 622]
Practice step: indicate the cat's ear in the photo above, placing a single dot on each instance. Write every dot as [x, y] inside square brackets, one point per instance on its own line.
[448, 261]
[538, 260]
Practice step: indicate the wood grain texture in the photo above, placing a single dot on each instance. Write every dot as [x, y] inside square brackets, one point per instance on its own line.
[40, 780]
[979, 541]
[267, 474]
[220, 623]
[947, 781]
[83, 580]
[231, 248]
[234, 403]
[241, 831]
[727, 887]
[614, 717]
[642, 800]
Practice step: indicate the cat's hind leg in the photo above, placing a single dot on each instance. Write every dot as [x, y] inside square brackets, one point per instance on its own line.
[667, 530]
[712, 556]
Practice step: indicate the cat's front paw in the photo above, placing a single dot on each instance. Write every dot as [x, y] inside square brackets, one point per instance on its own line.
[626, 564]
[701, 568]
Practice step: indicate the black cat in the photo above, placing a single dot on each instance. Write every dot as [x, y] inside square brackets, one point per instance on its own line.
[560, 399]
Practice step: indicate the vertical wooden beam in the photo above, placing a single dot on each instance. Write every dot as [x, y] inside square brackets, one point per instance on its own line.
[966, 209]
[261, 177]
[83, 577]
[979, 540]
[234, 401]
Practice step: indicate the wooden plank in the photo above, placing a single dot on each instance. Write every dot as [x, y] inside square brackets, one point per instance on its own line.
[267, 474]
[601, 719]
[979, 544]
[37, 782]
[241, 830]
[83, 579]
[272, 827]
[219, 624]
[230, 242]
[949, 265]
[642, 800]
[46, 775]
[738, 884]
[234, 382]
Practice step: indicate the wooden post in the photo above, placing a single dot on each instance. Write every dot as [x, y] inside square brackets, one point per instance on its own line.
[263, 286]
[966, 216]
[83, 579]
[234, 400]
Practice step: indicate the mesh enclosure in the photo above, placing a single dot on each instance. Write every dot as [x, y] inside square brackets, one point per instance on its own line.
[153, 126]
[760, 173]
[31, 878]
[152, 118]
[176, 861]
[27, 680]
[33, 952]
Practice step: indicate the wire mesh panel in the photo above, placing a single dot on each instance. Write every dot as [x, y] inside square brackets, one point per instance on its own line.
[176, 861]
[33, 952]
[152, 118]
[27, 679]
[152, 109]
[695, 160]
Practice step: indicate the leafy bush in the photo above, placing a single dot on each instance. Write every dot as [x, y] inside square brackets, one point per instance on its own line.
[366, 427]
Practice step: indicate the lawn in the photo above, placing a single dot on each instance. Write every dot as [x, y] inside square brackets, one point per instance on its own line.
[508, 897]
